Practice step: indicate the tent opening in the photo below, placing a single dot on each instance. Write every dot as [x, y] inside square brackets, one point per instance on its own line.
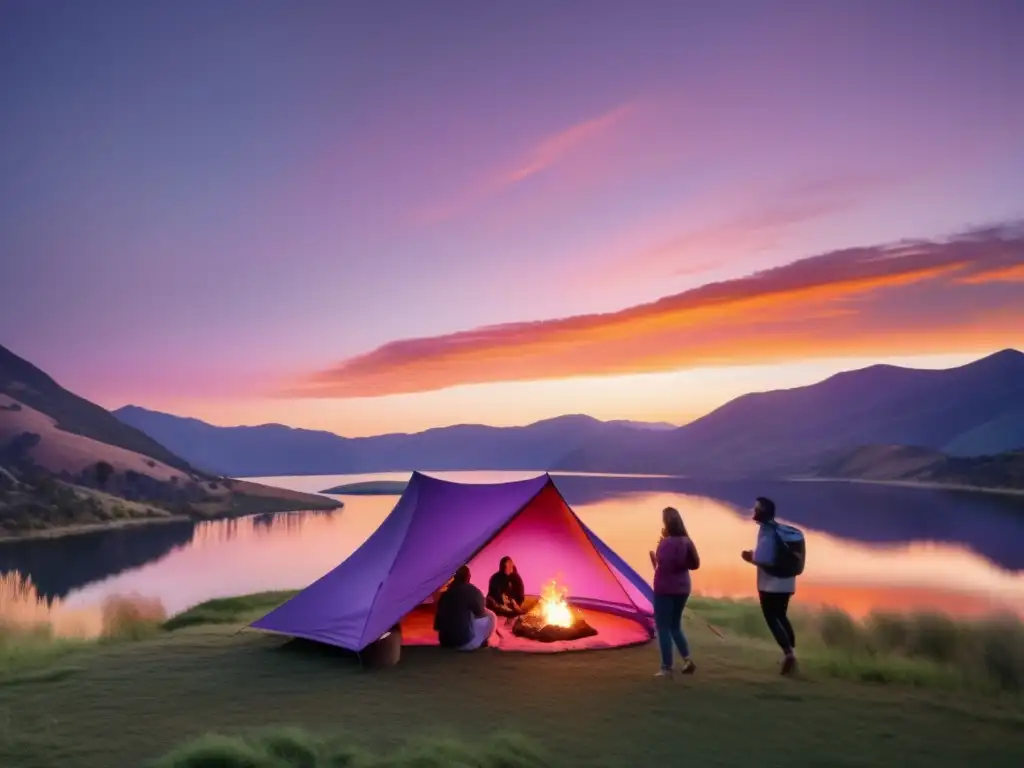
[575, 600]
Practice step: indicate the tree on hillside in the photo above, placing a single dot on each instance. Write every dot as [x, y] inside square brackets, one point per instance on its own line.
[103, 473]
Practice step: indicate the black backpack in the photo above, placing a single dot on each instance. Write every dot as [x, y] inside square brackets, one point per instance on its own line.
[790, 551]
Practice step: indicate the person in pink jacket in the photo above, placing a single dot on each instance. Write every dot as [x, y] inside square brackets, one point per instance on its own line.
[673, 560]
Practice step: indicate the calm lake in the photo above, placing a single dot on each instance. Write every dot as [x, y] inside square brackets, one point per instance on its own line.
[869, 546]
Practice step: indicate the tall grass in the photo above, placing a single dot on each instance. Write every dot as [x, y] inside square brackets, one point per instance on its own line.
[295, 748]
[35, 631]
[916, 648]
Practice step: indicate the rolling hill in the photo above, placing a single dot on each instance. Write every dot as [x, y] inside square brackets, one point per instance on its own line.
[67, 463]
[900, 463]
[274, 449]
[27, 386]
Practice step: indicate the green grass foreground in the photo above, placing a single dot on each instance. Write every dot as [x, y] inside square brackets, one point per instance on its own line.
[189, 692]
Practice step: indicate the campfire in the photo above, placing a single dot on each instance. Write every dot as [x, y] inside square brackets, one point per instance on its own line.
[552, 618]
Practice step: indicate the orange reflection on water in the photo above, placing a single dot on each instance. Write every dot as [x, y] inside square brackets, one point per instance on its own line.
[856, 577]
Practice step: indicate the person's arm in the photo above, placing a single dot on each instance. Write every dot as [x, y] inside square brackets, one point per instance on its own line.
[518, 589]
[694, 555]
[494, 589]
[764, 550]
[477, 604]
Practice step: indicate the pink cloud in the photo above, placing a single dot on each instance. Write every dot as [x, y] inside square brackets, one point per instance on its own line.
[544, 155]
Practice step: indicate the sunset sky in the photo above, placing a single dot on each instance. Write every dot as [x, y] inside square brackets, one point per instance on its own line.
[371, 217]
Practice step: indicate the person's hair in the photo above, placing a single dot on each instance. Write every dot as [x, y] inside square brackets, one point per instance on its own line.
[462, 575]
[506, 559]
[767, 507]
[673, 522]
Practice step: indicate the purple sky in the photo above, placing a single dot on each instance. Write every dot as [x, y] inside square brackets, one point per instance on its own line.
[200, 200]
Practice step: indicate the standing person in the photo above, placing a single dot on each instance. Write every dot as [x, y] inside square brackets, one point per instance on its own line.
[462, 622]
[774, 592]
[673, 560]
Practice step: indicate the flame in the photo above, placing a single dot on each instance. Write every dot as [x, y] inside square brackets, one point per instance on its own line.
[553, 608]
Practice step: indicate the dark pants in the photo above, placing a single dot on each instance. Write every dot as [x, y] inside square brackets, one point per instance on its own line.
[774, 606]
[668, 620]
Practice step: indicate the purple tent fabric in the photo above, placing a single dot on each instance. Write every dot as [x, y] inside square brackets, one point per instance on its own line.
[435, 527]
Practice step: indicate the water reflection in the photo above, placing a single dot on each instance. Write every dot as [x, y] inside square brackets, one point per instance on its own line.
[869, 546]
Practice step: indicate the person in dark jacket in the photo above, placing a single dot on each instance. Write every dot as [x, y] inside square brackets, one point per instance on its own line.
[462, 620]
[673, 560]
[505, 592]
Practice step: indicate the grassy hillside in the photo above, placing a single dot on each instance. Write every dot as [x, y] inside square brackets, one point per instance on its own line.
[82, 706]
[909, 464]
[48, 504]
[26, 384]
[35, 503]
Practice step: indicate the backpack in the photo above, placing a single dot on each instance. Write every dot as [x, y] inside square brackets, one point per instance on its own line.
[790, 552]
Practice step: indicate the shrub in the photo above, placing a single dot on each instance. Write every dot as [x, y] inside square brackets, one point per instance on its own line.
[840, 631]
[888, 632]
[1000, 651]
[294, 748]
[935, 637]
[132, 617]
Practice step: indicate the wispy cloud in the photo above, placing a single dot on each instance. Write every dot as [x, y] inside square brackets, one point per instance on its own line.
[544, 155]
[766, 219]
[901, 298]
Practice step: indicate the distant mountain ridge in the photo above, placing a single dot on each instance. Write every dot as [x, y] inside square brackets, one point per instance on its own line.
[972, 410]
[274, 449]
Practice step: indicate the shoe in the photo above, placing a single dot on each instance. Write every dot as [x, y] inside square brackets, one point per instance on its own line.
[663, 673]
[689, 667]
[789, 665]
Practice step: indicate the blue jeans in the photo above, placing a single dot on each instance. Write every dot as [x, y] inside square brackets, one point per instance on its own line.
[668, 620]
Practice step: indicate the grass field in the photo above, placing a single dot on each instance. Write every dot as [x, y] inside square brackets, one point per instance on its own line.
[127, 703]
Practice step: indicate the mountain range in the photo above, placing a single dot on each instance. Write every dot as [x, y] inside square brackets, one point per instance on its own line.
[972, 410]
[274, 449]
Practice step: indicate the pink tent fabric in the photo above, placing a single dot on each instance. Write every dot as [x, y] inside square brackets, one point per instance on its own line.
[438, 525]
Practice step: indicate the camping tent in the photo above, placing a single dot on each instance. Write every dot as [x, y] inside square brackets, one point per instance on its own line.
[438, 525]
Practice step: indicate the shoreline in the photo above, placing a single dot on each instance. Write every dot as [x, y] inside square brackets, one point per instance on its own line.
[82, 529]
[918, 484]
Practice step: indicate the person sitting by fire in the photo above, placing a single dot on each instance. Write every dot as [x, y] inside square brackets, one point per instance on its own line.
[505, 591]
[462, 621]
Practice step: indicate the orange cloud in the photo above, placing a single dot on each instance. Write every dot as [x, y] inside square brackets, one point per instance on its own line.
[898, 299]
[1012, 273]
[547, 153]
